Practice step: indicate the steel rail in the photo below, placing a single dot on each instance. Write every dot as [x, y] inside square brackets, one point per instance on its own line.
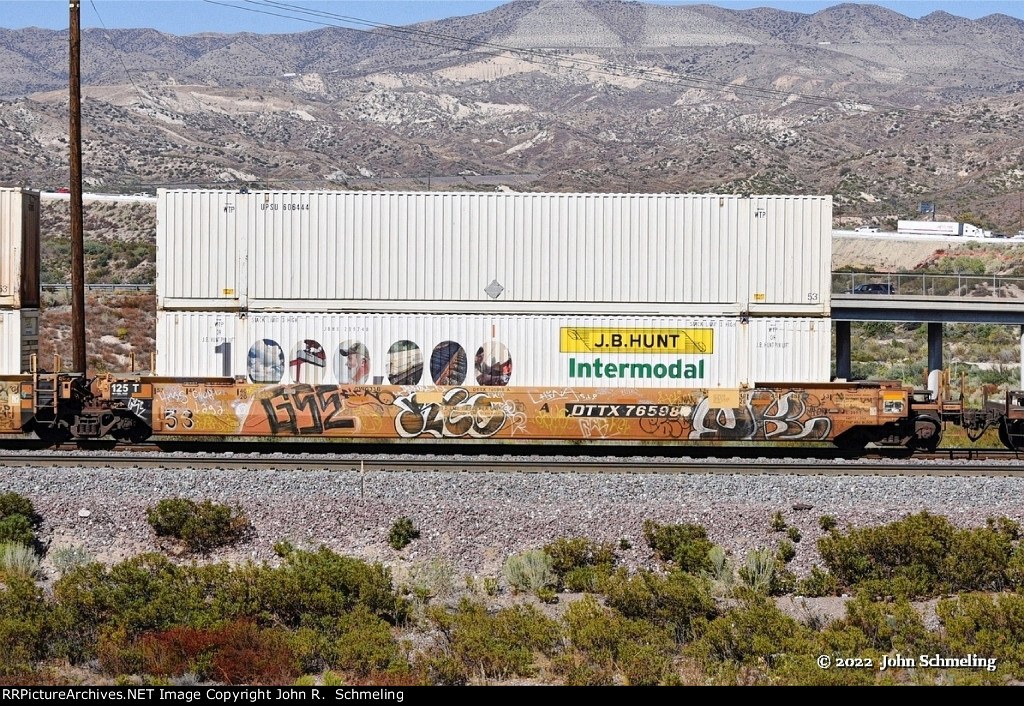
[423, 463]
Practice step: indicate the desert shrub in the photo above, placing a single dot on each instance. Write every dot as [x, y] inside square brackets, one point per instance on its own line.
[722, 575]
[492, 646]
[579, 563]
[432, 579]
[685, 545]
[794, 534]
[68, 557]
[827, 523]
[818, 583]
[673, 601]
[921, 555]
[988, 626]
[200, 526]
[786, 552]
[12, 504]
[17, 529]
[357, 643]
[309, 585]
[778, 523]
[236, 653]
[530, 571]
[16, 558]
[609, 643]
[751, 641]
[24, 626]
[758, 570]
[886, 626]
[144, 593]
[402, 532]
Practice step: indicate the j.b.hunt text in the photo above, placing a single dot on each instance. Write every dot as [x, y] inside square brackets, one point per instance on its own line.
[598, 369]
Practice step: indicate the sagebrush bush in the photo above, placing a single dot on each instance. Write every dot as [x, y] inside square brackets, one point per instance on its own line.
[530, 571]
[759, 570]
[16, 558]
[68, 557]
[200, 526]
[402, 533]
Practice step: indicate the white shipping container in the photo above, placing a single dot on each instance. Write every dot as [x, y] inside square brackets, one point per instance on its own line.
[19, 248]
[19, 339]
[520, 351]
[497, 253]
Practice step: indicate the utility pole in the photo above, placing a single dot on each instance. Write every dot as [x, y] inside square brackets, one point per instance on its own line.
[75, 189]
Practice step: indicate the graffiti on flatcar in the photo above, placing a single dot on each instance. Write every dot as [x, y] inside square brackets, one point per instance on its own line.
[464, 412]
[765, 415]
[453, 414]
[305, 409]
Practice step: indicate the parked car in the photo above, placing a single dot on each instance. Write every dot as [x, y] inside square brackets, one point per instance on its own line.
[873, 288]
[866, 229]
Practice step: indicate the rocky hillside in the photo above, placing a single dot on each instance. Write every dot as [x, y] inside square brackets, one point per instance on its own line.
[881, 110]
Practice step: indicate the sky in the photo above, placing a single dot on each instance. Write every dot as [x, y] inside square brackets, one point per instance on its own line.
[226, 16]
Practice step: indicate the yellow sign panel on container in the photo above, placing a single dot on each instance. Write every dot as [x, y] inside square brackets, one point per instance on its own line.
[694, 341]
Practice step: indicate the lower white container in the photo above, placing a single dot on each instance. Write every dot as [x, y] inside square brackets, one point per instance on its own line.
[520, 351]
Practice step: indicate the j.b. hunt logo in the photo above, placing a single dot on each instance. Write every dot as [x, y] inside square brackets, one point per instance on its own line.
[678, 341]
[599, 369]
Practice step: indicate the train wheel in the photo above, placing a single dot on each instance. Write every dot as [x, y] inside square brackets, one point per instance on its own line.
[54, 433]
[131, 430]
[852, 440]
[1011, 434]
[927, 434]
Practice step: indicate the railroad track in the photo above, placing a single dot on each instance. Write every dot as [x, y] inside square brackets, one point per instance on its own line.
[149, 457]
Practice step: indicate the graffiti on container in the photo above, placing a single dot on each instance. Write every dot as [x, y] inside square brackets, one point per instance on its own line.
[764, 416]
[6, 417]
[306, 409]
[458, 413]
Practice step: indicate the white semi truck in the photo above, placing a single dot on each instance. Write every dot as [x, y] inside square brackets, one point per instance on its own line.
[942, 228]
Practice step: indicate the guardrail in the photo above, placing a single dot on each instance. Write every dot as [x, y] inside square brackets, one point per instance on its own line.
[101, 287]
[953, 286]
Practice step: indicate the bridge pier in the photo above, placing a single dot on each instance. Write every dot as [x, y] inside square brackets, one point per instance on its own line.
[934, 358]
[843, 367]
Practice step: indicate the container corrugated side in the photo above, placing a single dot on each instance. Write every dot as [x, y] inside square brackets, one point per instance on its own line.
[522, 351]
[19, 248]
[19, 339]
[510, 253]
[200, 249]
[790, 255]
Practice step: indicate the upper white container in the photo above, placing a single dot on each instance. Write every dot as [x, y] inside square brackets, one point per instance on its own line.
[19, 248]
[640, 254]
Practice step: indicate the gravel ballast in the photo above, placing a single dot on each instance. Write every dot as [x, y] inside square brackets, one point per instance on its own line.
[474, 521]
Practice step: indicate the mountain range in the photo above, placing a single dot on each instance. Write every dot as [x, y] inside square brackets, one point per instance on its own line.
[881, 110]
